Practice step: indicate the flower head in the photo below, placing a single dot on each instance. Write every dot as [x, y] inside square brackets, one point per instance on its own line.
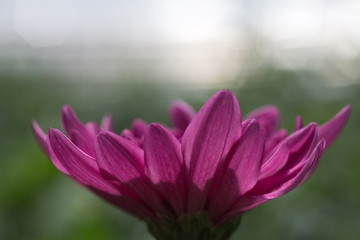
[207, 169]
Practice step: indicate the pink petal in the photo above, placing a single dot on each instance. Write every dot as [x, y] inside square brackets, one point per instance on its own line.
[298, 139]
[274, 140]
[207, 139]
[71, 123]
[299, 144]
[181, 114]
[93, 128]
[138, 128]
[81, 166]
[300, 177]
[298, 123]
[331, 129]
[245, 123]
[242, 172]
[164, 166]
[125, 160]
[242, 205]
[107, 123]
[83, 169]
[315, 163]
[274, 161]
[128, 135]
[82, 143]
[40, 136]
[41, 139]
[268, 116]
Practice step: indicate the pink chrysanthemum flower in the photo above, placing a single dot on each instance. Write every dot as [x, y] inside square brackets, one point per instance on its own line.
[192, 181]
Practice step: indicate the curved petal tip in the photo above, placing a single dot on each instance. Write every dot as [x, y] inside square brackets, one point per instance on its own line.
[332, 128]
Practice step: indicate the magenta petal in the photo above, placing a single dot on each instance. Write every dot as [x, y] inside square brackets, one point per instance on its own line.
[274, 161]
[245, 123]
[128, 135]
[302, 139]
[301, 176]
[40, 136]
[138, 128]
[125, 160]
[331, 129]
[181, 114]
[207, 139]
[315, 163]
[298, 123]
[107, 123]
[242, 172]
[82, 143]
[242, 205]
[93, 128]
[268, 116]
[82, 167]
[164, 166]
[274, 140]
[70, 122]
[299, 144]
[41, 139]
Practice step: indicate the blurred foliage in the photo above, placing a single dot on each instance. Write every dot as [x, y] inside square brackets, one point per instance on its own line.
[37, 202]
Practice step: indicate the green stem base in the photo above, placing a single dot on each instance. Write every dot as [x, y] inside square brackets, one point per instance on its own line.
[192, 227]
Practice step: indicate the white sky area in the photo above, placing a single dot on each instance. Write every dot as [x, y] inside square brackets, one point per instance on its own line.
[52, 22]
[215, 28]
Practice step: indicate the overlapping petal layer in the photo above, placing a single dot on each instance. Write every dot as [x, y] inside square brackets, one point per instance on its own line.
[210, 161]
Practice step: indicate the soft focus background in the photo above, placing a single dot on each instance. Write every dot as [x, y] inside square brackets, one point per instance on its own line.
[132, 58]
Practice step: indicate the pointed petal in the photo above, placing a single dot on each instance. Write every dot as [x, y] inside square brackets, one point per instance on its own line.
[93, 128]
[268, 116]
[128, 135]
[274, 140]
[298, 123]
[82, 143]
[70, 122]
[107, 123]
[300, 177]
[321, 144]
[274, 161]
[207, 139]
[242, 172]
[298, 139]
[83, 169]
[164, 166]
[138, 128]
[245, 123]
[300, 144]
[242, 205]
[125, 160]
[106, 168]
[181, 114]
[331, 129]
[81, 166]
[41, 138]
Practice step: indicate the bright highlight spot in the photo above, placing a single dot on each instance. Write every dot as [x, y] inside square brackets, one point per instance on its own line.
[189, 21]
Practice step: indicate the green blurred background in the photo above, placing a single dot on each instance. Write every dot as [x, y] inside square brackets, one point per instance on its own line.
[131, 63]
